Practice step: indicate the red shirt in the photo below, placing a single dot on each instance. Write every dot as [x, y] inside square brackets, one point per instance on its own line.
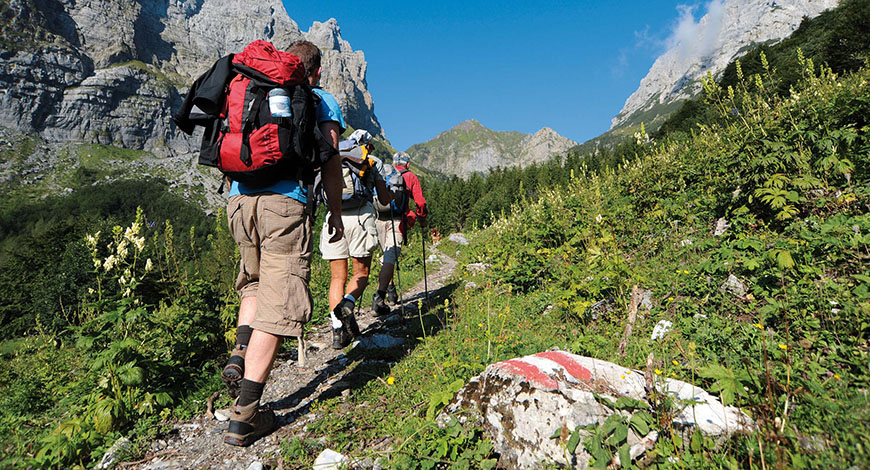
[412, 185]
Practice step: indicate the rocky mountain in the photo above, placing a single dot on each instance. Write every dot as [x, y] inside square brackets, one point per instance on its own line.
[729, 29]
[470, 147]
[110, 72]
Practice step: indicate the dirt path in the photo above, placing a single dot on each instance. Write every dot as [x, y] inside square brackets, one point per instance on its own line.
[198, 443]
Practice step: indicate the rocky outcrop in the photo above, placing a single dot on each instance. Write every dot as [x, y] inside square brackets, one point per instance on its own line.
[729, 29]
[345, 76]
[112, 71]
[469, 148]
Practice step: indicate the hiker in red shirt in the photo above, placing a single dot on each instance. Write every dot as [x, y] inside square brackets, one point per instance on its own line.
[392, 231]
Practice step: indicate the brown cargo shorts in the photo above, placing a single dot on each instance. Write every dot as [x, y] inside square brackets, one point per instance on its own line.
[274, 237]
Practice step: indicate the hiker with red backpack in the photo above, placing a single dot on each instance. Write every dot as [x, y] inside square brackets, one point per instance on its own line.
[269, 131]
[393, 224]
[362, 178]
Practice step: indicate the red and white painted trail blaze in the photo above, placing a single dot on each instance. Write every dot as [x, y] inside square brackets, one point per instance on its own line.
[530, 372]
[538, 368]
[571, 366]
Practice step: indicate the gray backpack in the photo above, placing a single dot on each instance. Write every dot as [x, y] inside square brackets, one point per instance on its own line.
[395, 183]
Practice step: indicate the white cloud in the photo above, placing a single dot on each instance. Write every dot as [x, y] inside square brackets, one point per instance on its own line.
[695, 40]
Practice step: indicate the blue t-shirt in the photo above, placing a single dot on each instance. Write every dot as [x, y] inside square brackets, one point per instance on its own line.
[327, 110]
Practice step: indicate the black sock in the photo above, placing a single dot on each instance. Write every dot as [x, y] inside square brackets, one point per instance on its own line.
[382, 293]
[243, 335]
[250, 392]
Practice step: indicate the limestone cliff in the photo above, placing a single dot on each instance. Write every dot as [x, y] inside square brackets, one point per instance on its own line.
[729, 29]
[112, 71]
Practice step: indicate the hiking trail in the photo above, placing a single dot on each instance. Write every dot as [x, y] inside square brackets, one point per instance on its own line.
[291, 388]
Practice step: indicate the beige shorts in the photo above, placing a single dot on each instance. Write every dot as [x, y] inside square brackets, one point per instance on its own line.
[274, 238]
[360, 235]
[392, 247]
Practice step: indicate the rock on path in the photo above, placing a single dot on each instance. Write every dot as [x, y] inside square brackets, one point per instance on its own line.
[198, 442]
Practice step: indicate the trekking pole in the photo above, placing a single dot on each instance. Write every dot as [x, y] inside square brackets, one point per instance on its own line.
[398, 276]
[425, 280]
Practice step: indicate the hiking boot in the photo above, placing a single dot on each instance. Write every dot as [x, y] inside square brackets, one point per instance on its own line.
[234, 371]
[248, 423]
[392, 296]
[340, 338]
[379, 306]
[344, 312]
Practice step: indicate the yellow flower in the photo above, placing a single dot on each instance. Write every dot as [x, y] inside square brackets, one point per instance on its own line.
[758, 325]
[658, 372]
[836, 376]
[480, 325]
[675, 363]
[783, 347]
[391, 380]
[670, 299]
[623, 377]
[685, 271]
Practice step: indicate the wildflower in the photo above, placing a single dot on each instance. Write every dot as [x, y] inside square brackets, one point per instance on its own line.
[139, 242]
[758, 325]
[783, 347]
[685, 271]
[391, 380]
[670, 299]
[674, 362]
[110, 263]
[480, 325]
[148, 265]
[658, 372]
[90, 290]
[622, 377]
[836, 377]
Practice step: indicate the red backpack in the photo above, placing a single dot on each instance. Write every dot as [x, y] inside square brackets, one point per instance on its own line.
[267, 130]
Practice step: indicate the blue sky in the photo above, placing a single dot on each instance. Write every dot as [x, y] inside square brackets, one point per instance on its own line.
[512, 65]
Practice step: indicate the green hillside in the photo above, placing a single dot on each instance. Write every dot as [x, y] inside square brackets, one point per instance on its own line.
[451, 146]
[790, 175]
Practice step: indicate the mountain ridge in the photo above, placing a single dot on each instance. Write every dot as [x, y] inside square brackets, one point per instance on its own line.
[729, 29]
[470, 147]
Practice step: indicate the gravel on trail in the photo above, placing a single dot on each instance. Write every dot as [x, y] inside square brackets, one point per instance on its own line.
[198, 443]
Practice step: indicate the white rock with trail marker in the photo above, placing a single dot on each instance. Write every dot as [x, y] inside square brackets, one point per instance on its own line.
[330, 460]
[660, 330]
[733, 285]
[458, 238]
[521, 402]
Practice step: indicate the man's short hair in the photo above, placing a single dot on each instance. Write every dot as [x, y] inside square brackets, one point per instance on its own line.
[308, 53]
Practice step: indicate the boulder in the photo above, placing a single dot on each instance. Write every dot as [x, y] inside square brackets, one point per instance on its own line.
[458, 238]
[521, 402]
[477, 268]
[330, 460]
[733, 285]
[119, 449]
